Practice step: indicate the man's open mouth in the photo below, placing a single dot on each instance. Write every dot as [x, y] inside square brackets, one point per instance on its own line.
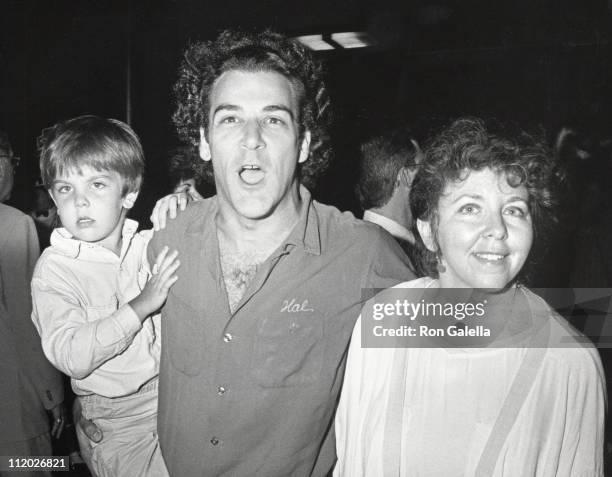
[251, 174]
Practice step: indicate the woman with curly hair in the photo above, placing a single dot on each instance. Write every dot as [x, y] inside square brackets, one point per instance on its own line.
[526, 399]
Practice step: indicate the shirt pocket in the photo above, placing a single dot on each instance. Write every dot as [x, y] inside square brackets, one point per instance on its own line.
[288, 350]
[182, 336]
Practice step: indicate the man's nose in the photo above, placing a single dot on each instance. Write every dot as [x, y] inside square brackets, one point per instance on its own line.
[252, 138]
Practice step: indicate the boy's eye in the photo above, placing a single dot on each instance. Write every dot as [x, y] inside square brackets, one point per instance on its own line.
[63, 189]
[99, 185]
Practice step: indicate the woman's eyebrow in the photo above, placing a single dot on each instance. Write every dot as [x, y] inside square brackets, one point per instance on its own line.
[469, 196]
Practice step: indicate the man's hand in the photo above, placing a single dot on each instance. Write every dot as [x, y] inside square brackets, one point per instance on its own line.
[155, 292]
[59, 420]
[92, 431]
[169, 205]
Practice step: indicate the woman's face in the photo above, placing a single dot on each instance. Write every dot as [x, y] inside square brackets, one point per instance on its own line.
[484, 231]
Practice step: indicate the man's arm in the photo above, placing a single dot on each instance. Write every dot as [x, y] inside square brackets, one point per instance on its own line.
[388, 264]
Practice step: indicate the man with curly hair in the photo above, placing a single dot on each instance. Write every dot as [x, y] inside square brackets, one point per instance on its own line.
[256, 332]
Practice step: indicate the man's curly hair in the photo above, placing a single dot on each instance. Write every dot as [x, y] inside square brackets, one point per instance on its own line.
[469, 144]
[204, 62]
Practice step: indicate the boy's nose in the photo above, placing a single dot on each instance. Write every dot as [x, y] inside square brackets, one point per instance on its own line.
[81, 200]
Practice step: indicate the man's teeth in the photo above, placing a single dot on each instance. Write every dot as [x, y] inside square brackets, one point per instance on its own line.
[251, 174]
[490, 256]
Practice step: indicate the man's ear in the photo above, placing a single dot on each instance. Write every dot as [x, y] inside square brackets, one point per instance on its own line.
[304, 148]
[427, 234]
[403, 178]
[204, 147]
[419, 156]
[130, 199]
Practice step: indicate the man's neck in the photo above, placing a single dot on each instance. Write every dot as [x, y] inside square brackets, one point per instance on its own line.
[398, 212]
[396, 209]
[243, 235]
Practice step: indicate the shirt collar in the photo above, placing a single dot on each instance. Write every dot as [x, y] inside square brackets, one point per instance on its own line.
[64, 242]
[391, 226]
[306, 231]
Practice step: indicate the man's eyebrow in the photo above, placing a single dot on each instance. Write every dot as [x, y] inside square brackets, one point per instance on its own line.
[267, 109]
[279, 107]
[225, 107]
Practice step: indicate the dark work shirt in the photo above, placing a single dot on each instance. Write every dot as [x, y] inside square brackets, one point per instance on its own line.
[254, 393]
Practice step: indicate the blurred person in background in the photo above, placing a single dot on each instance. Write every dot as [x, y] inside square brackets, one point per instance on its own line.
[387, 167]
[31, 388]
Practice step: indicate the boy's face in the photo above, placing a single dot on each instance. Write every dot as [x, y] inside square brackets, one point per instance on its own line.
[91, 205]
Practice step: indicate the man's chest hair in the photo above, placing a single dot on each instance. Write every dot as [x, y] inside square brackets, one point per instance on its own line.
[238, 269]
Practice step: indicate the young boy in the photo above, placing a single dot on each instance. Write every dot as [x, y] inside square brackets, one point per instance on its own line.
[92, 301]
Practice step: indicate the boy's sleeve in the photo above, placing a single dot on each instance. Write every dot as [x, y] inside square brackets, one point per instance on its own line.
[74, 342]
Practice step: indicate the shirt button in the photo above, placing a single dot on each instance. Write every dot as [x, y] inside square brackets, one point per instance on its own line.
[221, 390]
[227, 337]
[214, 441]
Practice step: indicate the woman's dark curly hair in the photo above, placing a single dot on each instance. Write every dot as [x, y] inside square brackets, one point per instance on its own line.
[468, 144]
[204, 62]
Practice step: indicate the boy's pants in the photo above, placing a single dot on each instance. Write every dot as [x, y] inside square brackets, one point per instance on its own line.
[129, 445]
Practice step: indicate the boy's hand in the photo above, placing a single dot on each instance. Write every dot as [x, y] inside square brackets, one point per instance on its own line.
[169, 205]
[155, 292]
[92, 431]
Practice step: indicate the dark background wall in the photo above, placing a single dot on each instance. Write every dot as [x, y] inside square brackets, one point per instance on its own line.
[531, 61]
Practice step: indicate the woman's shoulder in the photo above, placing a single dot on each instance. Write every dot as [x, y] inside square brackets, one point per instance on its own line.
[567, 347]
